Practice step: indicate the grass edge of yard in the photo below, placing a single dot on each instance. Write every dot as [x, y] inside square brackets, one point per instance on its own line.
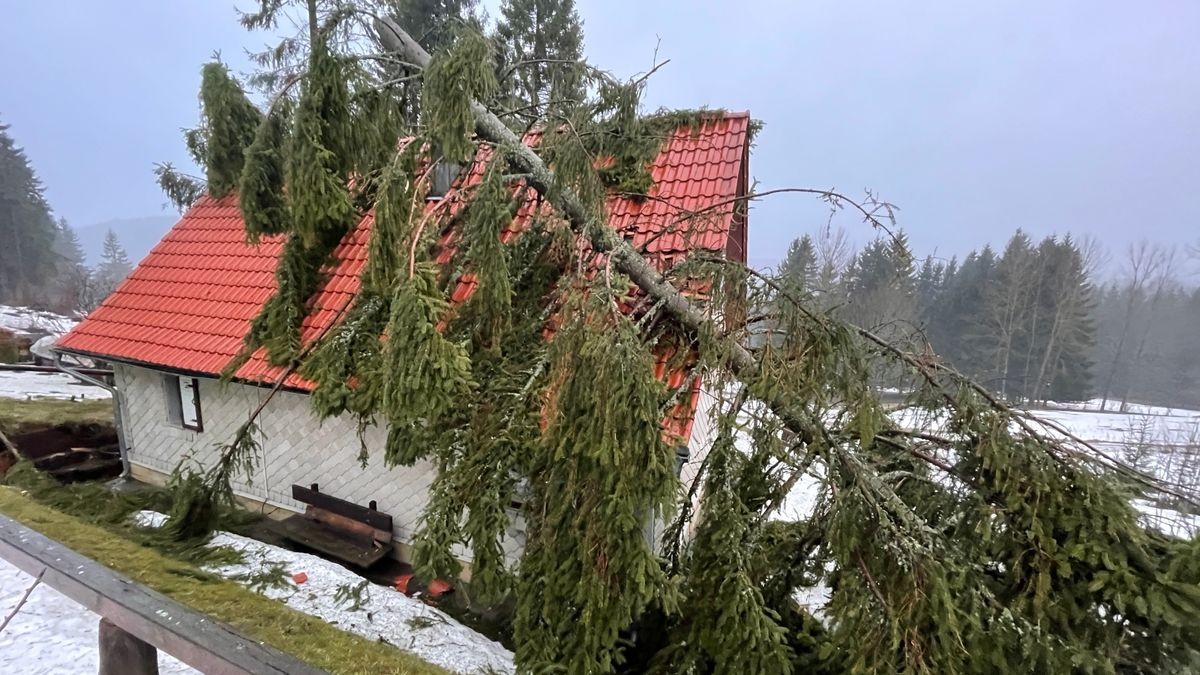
[17, 414]
[306, 637]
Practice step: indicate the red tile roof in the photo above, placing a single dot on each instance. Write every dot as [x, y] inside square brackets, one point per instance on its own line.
[188, 304]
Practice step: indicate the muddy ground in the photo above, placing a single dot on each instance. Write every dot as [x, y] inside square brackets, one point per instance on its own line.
[71, 451]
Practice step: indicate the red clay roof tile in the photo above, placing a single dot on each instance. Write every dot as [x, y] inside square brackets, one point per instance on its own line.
[188, 304]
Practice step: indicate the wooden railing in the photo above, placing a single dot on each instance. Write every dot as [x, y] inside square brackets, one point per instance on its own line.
[135, 621]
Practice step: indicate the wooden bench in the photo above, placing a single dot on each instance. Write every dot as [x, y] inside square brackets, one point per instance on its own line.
[360, 535]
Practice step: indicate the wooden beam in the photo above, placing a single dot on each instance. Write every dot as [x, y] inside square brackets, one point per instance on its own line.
[194, 638]
[125, 654]
[31, 368]
[377, 520]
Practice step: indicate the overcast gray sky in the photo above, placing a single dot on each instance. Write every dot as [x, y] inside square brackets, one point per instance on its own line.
[975, 118]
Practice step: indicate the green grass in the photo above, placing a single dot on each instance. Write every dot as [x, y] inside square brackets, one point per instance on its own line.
[16, 415]
[305, 637]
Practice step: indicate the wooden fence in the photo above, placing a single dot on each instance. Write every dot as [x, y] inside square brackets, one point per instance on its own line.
[135, 621]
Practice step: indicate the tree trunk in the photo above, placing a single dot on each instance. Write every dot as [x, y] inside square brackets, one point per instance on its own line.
[1116, 360]
[1036, 299]
[603, 238]
[1141, 348]
[1048, 355]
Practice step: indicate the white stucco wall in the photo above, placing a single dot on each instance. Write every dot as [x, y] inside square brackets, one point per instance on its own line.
[296, 448]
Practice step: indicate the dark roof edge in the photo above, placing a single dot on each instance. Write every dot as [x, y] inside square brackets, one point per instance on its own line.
[177, 371]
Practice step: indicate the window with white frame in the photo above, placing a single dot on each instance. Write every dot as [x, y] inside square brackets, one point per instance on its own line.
[182, 395]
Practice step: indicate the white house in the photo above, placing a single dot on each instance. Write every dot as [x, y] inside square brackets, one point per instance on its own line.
[172, 326]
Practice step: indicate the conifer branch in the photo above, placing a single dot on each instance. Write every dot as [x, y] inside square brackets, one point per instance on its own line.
[603, 238]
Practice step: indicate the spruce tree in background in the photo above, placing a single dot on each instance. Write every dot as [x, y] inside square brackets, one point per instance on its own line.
[113, 268]
[27, 230]
[72, 277]
[541, 51]
[881, 289]
[800, 265]
[434, 23]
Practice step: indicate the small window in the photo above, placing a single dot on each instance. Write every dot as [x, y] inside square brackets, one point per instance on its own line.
[182, 395]
[442, 179]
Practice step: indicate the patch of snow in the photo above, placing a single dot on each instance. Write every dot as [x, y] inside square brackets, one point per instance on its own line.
[1099, 405]
[385, 614]
[814, 599]
[801, 500]
[1168, 521]
[52, 634]
[35, 385]
[26, 321]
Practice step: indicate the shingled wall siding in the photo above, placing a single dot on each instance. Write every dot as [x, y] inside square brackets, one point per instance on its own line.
[296, 447]
[299, 449]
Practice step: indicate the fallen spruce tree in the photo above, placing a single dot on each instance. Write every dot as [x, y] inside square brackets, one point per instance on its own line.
[984, 541]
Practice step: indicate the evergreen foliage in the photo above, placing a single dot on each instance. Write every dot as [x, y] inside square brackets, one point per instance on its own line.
[73, 284]
[182, 190]
[319, 159]
[435, 23]
[974, 546]
[27, 230]
[726, 625]
[113, 268]
[457, 76]
[428, 375]
[542, 55]
[488, 214]
[317, 168]
[1020, 322]
[589, 570]
[800, 264]
[228, 124]
[260, 186]
[1158, 362]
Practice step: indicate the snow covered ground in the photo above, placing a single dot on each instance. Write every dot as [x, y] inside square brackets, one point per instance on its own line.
[51, 635]
[54, 635]
[1148, 424]
[1164, 442]
[35, 385]
[376, 612]
[23, 320]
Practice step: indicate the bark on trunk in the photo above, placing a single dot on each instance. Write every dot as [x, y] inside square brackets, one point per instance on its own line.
[604, 239]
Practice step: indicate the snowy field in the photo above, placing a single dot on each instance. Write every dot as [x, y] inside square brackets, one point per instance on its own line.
[33, 385]
[1162, 442]
[59, 386]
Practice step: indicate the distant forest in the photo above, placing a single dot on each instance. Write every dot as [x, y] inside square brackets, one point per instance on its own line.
[1034, 321]
[42, 264]
[1055, 320]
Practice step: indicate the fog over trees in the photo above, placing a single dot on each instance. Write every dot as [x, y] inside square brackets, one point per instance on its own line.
[1057, 319]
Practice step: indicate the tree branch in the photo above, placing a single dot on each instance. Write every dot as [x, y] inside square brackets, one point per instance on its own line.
[603, 238]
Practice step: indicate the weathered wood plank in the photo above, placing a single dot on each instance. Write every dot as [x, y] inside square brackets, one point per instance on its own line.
[195, 639]
[376, 519]
[352, 527]
[125, 654]
[360, 551]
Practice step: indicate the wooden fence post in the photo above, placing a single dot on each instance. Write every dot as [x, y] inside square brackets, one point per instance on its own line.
[124, 654]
